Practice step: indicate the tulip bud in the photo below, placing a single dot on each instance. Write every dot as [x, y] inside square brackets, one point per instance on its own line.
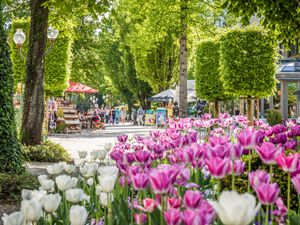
[31, 209]
[74, 195]
[51, 202]
[78, 215]
[15, 218]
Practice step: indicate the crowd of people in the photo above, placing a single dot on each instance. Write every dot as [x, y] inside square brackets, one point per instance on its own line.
[116, 116]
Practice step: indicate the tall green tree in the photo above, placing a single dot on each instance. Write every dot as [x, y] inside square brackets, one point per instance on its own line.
[10, 149]
[33, 113]
[209, 85]
[279, 16]
[160, 20]
[248, 70]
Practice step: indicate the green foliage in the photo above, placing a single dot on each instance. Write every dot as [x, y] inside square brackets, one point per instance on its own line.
[248, 62]
[273, 117]
[11, 186]
[208, 80]
[279, 176]
[10, 151]
[58, 66]
[46, 152]
[57, 62]
[279, 16]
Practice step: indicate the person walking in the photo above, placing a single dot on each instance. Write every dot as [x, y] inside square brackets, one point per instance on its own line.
[140, 116]
[106, 115]
[123, 115]
[118, 113]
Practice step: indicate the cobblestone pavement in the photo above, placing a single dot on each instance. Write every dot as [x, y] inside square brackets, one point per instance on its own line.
[92, 140]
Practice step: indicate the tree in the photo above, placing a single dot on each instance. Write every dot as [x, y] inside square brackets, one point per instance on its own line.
[209, 85]
[248, 70]
[279, 16]
[159, 20]
[10, 149]
[33, 113]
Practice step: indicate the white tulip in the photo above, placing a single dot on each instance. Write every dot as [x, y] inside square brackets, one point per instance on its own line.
[102, 154]
[130, 137]
[98, 190]
[88, 170]
[75, 195]
[38, 195]
[108, 146]
[64, 182]
[103, 197]
[69, 168]
[107, 184]
[90, 181]
[95, 154]
[82, 154]
[26, 194]
[47, 185]
[51, 202]
[31, 209]
[74, 182]
[15, 218]
[78, 162]
[42, 177]
[236, 209]
[55, 169]
[78, 215]
[108, 170]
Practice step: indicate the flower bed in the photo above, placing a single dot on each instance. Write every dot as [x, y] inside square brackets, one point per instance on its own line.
[174, 177]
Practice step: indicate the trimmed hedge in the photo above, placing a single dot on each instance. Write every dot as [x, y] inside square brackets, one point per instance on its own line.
[248, 62]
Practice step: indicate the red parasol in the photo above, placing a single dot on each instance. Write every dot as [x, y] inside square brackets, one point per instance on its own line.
[80, 88]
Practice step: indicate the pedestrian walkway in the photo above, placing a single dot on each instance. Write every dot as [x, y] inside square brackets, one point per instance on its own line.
[96, 139]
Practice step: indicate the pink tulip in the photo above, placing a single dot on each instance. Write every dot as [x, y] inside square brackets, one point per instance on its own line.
[202, 216]
[142, 156]
[174, 203]
[258, 177]
[140, 181]
[296, 182]
[172, 216]
[281, 211]
[218, 140]
[239, 167]
[218, 167]
[162, 178]
[268, 152]
[155, 134]
[235, 151]
[149, 205]
[140, 218]
[267, 193]
[122, 138]
[288, 163]
[247, 139]
[192, 199]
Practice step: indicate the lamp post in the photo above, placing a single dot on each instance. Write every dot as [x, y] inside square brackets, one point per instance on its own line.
[19, 39]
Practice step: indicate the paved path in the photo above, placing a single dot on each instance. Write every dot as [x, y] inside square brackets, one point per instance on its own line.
[96, 139]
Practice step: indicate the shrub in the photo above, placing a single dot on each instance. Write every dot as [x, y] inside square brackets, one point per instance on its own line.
[11, 186]
[273, 117]
[46, 152]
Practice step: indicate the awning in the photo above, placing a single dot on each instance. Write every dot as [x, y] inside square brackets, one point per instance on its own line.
[79, 88]
[164, 96]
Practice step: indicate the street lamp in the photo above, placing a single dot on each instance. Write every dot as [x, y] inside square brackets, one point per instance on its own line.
[19, 39]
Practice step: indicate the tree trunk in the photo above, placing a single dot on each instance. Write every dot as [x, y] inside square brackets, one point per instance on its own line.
[217, 107]
[33, 113]
[250, 110]
[183, 60]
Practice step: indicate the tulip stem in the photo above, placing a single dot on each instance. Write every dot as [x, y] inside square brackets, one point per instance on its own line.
[267, 215]
[149, 218]
[259, 217]
[271, 177]
[288, 197]
[298, 204]
[132, 208]
[109, 209]
[249, 169]
[232, 180]
[162, 210]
